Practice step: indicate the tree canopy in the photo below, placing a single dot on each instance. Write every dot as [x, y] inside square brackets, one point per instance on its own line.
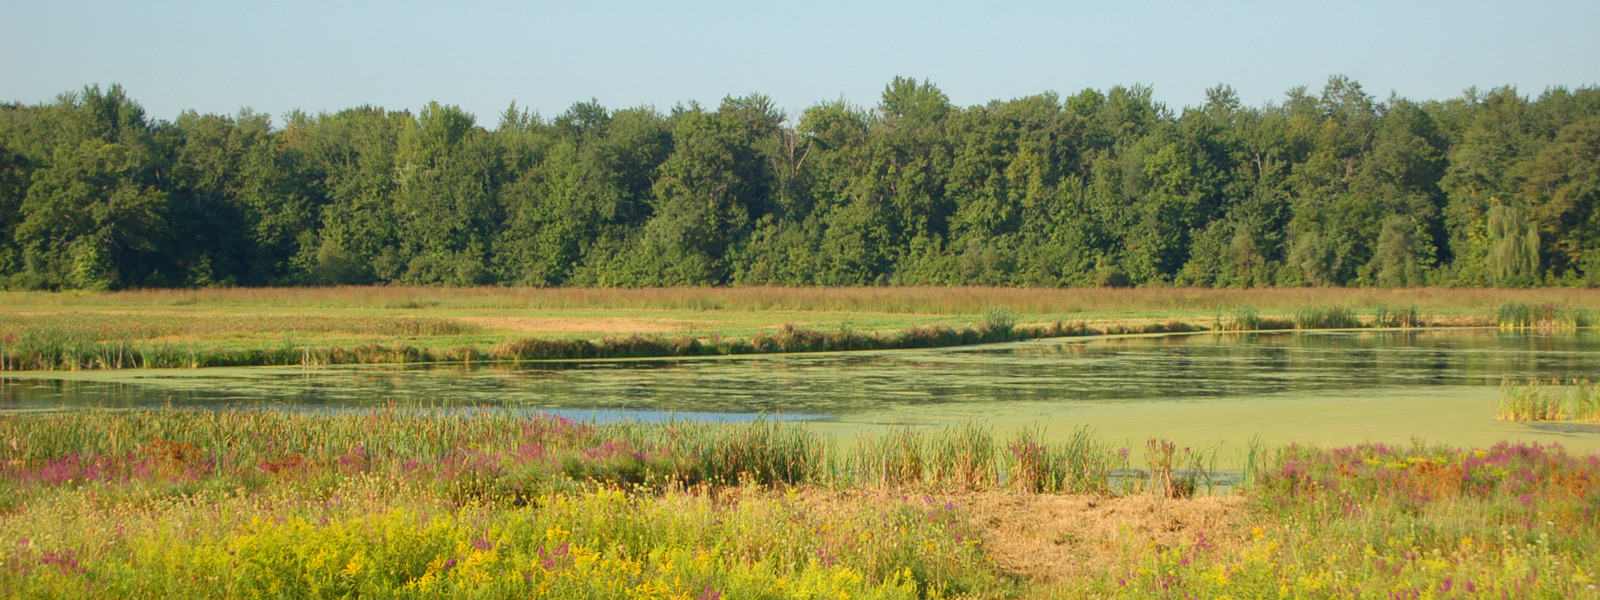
[1329, 187]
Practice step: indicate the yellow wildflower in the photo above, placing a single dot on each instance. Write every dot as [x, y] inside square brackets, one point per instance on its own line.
[555, 533]
[355, 565]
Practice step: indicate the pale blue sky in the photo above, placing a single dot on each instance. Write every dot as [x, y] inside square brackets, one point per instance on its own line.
[219, 56]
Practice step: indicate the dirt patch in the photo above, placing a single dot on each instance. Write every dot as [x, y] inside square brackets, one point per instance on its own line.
[1049, 538]
[607, 325]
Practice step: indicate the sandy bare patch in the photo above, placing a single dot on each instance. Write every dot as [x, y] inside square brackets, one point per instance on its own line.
[1051, 538]
[609, 325]
[1048, 538]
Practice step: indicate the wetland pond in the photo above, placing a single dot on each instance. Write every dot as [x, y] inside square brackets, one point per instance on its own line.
[1326, 388]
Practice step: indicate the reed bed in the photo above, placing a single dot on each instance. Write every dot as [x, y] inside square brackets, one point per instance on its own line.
[1555, 400]
[69, 351]
[968, 456]
[1326, 317]
[61, 349]
[1080, 464]
[1248, 318]
[1397, 317]
[1543, 317]
[136, 326]
[499, 451]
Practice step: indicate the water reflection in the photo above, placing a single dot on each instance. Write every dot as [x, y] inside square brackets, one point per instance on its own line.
[1179, 367]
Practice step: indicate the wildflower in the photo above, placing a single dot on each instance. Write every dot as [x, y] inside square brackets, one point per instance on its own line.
[66, 561]
[555, 533]
[355, 565]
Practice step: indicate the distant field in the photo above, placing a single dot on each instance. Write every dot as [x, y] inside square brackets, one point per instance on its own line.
[469, 321]
[896, 300]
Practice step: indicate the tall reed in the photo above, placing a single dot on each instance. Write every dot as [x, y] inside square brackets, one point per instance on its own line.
[1518, 315]
[761, 452]
[1397, 317]
[1081, 464]
[1325, 317]
[962, 455]
[895, 459]
[1555, 400]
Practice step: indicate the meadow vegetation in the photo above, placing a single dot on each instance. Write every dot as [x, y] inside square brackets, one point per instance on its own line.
[495, 503]
[313, 326]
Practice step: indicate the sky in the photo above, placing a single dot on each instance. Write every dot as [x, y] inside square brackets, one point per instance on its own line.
[219, 56]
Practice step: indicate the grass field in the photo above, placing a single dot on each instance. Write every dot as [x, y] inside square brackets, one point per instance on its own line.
[395, 503]
[391, 324]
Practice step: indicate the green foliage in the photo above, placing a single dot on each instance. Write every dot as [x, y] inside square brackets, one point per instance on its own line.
[1000, 320]
[1110, 188]
[1514, 247]
[1326, 317]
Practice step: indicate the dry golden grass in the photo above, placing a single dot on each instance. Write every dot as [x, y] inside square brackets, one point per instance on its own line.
[914, 300]
[1047, 538]
[371, 324]
[608, 325]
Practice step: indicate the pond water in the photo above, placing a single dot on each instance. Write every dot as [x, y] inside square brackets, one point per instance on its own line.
[1336, 387]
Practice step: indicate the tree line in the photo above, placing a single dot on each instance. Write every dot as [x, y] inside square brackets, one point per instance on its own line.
[1096, 188]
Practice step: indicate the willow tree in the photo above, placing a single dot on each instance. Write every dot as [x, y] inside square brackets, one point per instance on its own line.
[1513, 247]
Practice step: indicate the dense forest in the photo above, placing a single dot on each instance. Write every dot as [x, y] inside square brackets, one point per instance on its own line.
[1096, 188]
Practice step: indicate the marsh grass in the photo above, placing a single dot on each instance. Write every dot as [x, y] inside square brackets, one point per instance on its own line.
[963, 455]
[961, 301]
[892, 460]
[104, 341]
[1544, 317]
[763, 452]
[1554, 400]
[1248, 318]
[318, 326]
[1326, 317]
[178, 326]
[1397, 317]
[1080, 464]
[56, 349]
[967, 456]
[785, 339]
[501, 451]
